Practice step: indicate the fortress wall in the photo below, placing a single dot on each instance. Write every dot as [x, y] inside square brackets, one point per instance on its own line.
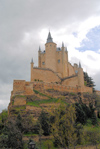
[97, 92]
[59, 65]
[26, 88]
[29, 88]
[86, 89]
[71, 82]
[44, 86]
[19, 101]
[18, 86]
[42, 59]
[71, 69]
[44, 75]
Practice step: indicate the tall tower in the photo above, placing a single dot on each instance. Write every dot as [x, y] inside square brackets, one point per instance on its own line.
[64, 61]
[80, 76]
[39, 57]
[32, 65]
[50, 57]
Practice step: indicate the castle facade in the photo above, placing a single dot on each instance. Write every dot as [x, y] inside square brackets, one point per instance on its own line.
[53, 67]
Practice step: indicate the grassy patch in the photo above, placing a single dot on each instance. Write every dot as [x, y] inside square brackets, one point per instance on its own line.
[37, 92]
[21, 96]
[73, 94]
[46, 144]
[37, 103]
[30, 134]
[19, 107]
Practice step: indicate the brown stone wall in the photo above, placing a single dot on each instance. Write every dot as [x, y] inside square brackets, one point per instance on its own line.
[71, 82]
[45, 86]
[71, 70]
[97, 92]
[42, 56]
[18, 86]
[29, 88]
[59, 65]
[86, 89]
[18, 101]
[44, 75]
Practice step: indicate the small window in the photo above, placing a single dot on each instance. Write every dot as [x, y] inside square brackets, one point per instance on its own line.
[58, 60]
[76, 71]
[43, 63]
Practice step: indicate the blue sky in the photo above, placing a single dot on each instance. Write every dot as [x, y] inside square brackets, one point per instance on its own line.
[92, 42]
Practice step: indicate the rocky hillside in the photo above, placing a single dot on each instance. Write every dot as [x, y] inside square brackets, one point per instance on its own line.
[45, 100]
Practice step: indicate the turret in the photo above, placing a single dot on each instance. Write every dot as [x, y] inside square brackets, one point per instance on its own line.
[50, 54]
[49, 39]
[32, 65]
[80, 76]
[39, 57]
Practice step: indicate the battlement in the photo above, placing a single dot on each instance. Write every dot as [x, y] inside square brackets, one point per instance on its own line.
[21, 87]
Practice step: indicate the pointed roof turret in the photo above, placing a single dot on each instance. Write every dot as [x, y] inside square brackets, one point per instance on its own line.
[49, 39]
[65, 48]
[62, 45]
[79, 65]
[32, 60]
[39, 48]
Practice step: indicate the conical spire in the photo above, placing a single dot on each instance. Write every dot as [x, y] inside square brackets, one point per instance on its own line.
[39, 48]
[62, 45]
[65, 48]
[49, 39]
[79, 65]
[32, 60]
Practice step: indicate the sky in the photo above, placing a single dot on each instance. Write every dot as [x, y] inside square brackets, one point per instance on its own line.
[24, 26]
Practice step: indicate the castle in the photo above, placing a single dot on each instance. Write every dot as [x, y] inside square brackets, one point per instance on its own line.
[53, 66]
[53, 72]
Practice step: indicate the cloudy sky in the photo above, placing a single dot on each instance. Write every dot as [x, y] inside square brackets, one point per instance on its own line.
[24, 26]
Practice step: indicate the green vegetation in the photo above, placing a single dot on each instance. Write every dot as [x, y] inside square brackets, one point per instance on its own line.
[21, 96]
[88, 81]
[66, 125]
[37, 92]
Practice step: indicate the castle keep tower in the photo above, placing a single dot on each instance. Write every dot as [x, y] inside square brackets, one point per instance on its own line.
[50, 56]
[53, 57]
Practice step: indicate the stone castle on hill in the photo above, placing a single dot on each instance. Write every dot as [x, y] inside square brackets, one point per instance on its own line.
[53, 72]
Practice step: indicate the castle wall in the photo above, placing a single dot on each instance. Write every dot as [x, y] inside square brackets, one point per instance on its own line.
[71, 81]
[86, 89]
[18, 86]
[43, 62]
[59, 61]
[19, 101]
[71, 70]
[80, 77]
[29, 86]
[44, 75]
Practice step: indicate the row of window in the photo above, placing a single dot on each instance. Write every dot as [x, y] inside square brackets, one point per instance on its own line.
[43, 63]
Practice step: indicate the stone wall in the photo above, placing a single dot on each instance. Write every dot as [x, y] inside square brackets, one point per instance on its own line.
[29, 86]
[18, 86]
[44, 75]
[71, 82]
[71, 70]
[19, 101]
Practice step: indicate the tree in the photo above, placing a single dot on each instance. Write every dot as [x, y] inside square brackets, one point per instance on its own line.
[44, 122]
[12, 136]
[63, 129]
[89, 81]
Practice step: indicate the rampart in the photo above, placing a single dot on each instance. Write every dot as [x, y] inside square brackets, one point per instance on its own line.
[20, 87]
